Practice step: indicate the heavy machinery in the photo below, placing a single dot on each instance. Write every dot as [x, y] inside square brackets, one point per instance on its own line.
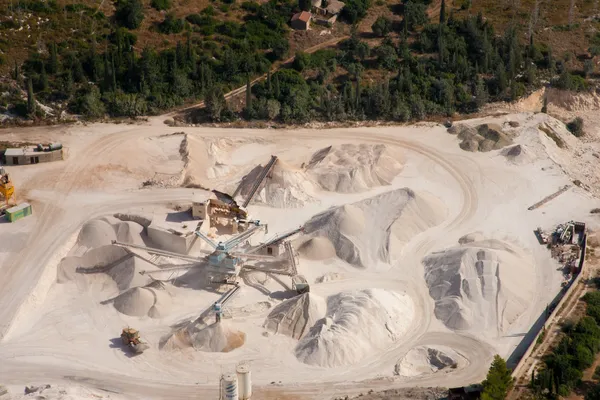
[131, 338]
[7, 189]
[221, 259]
[257, 183]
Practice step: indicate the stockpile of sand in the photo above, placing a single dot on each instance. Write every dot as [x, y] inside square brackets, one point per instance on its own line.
[480, 285]
[352, 168]
[427, 360]
[357, 325]
[286, 186]
[317, 248]
[519, 154]
[96, 233]
[141, 301]
[345, 229]
[216, 337]
[132, 272]
[295, 316]
[96, 260]
[485, 137]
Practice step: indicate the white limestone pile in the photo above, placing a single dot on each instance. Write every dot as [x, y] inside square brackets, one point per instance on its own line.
[350, 168]
[217, 337]
[345, 229]
[143, 301]
[358, 324]
[294, 317]
[423, 360]
[480, 285]
[285, 187]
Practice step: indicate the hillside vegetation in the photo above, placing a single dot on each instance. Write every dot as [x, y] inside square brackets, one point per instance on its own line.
[402, 60]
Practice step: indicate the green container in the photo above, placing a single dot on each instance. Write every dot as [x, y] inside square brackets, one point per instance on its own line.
[17, 212]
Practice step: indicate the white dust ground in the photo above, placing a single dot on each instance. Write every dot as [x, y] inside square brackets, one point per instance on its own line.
[70, 331]
[358, 324]
[423, 360]
[481, 284]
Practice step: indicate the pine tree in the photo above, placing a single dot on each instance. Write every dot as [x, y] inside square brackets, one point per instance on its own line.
[276, 89]
[30, 97]
[16, 72]
[43, 78]
[498, 381]
[113, 73]
[248, 93]
[269, 86]
[443, 12]
[53, 64]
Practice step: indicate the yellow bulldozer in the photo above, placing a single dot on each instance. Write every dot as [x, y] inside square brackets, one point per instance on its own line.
[131, 338]
[7, 190]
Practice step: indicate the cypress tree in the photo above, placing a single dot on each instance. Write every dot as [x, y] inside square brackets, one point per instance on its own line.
[53, 64]
[269, 86]
[443, 12]
[276, 90]
[107, 79]
[248, 93]
[16, 73]
[30, 97]
[113, 72]
[43, 78]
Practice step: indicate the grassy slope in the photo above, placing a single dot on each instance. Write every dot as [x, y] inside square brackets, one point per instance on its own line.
[67, 27]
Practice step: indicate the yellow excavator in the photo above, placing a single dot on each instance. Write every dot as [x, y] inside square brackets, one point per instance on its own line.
[7, 189]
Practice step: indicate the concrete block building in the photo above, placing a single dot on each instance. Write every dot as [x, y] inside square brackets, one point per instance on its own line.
[32, 155]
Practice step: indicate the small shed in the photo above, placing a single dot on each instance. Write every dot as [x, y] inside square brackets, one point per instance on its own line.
[301, 21]
[25, 156]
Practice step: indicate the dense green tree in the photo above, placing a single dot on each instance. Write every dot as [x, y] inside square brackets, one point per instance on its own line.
[215, 103]
[498, 381]
[129, 13]
[355, 10]
[415, 14]
[161, 5]
[382, 26]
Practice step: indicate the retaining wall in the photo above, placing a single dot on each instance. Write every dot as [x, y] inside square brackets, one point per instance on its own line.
[517, 371]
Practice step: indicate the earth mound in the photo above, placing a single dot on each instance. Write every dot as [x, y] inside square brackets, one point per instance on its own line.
[295, 316]
[285, 187]
[400, 212]
[217, 337]
[142, 301]
[518, 154]
[427, 360]
[481, 285]
[485, 137]
[350, 168]
[357, 324]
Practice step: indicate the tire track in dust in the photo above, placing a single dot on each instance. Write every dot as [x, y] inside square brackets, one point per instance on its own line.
[19, 280]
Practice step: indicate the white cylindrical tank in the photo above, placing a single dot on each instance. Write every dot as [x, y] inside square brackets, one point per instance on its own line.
[229, 387]
[244, 381]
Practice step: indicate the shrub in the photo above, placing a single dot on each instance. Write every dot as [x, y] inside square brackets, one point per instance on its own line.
[171, 24]
[251, 6]
[382, 26]
[576, 127]
[161, 4]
